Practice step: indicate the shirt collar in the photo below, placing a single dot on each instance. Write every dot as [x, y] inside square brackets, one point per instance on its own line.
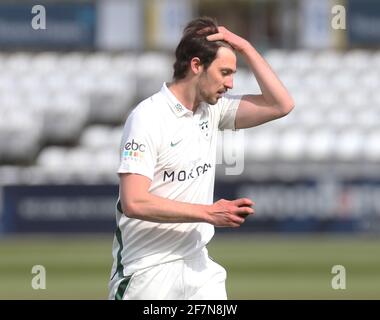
[178, 109]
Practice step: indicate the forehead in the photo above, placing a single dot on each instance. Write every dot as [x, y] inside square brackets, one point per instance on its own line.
[225, 58]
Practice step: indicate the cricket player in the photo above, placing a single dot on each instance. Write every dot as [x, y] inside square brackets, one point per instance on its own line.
[165, 213]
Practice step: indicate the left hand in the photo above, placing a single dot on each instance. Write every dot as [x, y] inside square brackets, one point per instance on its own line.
[238, 43]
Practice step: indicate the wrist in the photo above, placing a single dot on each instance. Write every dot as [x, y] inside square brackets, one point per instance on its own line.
[206, 216]
[245, 47]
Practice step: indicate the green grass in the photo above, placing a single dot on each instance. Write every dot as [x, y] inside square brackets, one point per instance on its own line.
[259, 267]
[299, 267]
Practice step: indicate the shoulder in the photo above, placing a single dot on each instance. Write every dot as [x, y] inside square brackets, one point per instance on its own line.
[228, 100]
[148, 111]
[226, 103]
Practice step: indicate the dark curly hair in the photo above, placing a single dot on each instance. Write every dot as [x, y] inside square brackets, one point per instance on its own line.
[194, 44]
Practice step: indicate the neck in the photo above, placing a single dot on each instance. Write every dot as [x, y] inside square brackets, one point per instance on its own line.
[186, 93]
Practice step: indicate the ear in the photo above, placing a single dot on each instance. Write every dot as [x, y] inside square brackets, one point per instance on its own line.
[196, 66]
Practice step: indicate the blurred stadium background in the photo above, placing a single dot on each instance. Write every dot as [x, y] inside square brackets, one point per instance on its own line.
[65, 92]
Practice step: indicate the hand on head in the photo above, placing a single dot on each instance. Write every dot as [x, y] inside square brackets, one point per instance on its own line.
[238, 43]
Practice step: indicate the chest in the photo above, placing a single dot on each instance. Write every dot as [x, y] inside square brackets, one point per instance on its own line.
[189, 141]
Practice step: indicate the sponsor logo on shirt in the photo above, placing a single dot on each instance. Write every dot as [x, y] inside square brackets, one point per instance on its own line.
[204, 123]
[183, 175]
[178, 107]
[173, 144]
[134, 150]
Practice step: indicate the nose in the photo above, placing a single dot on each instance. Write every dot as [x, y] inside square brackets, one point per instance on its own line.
[229, 83]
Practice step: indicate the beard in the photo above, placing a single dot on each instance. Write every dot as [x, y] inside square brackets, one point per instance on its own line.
[209, 98]
[212, 101]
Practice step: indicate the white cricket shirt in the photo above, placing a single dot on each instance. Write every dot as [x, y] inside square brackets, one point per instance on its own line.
[176, 149]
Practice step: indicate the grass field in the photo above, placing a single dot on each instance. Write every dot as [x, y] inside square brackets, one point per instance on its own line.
[259, 267]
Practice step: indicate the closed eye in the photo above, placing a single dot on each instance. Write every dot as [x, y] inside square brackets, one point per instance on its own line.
[227, 72]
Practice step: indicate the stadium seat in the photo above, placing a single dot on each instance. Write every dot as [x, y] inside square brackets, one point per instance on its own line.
[344, 79]
[300, 61]
[71, 64]
[370, 78]
[260, 145]
[44, 63]
[111, 108]
[291, 145]
[154, 68]
[125, 64]
[290, 80]
[338, 118]
[97, 64]
[3, 59]
[310, 118]
[64, 116]
[368, 118]
[18, 63]
[107, 160]
[20, 137]
[371, 148]
[349, 145]
[30, 82]
[52, 157]
[276, 58]
[328, 61]
[8, 82]
[316, 81]
[320, 144]
[10, 175]
[244, 82]
[75, 165]
[355, 101]
[57, 82]
[356, 60]
[100, 136]
[374, 61]
[62, 112]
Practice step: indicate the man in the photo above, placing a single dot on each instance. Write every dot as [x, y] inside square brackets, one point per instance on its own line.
[165, 215]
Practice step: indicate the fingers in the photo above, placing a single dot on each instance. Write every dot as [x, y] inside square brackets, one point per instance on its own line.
[230, 225]
[215, 37]
[244, 207]
[221, 35]
[243, 202]
[229, 221]
[244, 211]
[233, 213]
[236, 220]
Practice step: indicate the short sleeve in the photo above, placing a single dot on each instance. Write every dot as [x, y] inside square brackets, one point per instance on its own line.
[138, 150]
[228, 107]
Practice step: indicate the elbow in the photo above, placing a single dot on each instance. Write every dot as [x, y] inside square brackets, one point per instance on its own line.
[131, 209]
[287, 107]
